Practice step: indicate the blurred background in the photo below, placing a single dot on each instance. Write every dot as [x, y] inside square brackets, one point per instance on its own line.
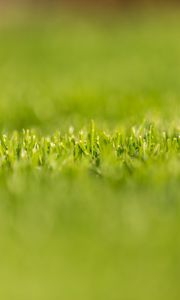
[71, 235]
[80, 4]
[91, 2]
[67, 62]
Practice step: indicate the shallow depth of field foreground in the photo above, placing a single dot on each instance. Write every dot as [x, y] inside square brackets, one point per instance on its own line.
[90, 156]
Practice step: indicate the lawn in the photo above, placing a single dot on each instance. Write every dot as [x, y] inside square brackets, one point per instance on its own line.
[90, 156]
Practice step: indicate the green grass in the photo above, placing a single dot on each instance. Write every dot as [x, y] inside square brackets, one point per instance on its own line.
[90, 209]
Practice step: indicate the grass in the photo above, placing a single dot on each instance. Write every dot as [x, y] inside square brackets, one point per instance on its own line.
[90, 209]
[136, 146]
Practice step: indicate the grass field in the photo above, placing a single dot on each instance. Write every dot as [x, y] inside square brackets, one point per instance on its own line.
[90, 157]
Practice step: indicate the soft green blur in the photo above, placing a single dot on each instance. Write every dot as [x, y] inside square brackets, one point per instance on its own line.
[57, 71]
[71, 233]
